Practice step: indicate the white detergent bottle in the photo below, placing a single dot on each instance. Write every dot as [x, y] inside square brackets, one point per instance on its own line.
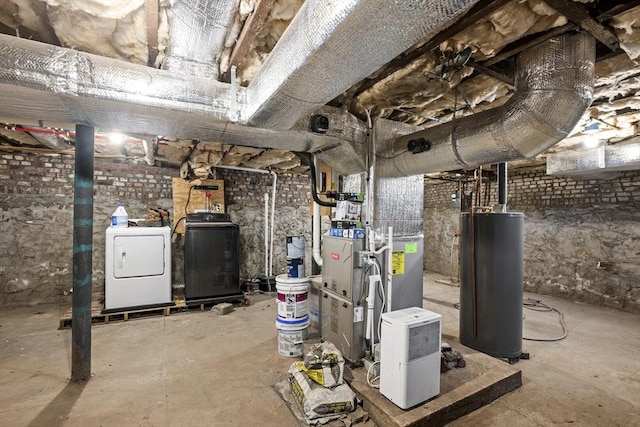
[120, 217]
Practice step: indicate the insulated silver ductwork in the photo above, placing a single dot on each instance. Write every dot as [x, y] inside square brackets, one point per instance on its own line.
[52, 86]
[601, 162]
[398, 201]
[331, 45]
[198, 31]
[553, 88]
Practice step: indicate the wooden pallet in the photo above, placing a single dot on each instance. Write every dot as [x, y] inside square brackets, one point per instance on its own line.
[97, 316]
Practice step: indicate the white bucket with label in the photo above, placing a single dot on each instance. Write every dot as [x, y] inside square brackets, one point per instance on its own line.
[293, 293]
[291, 335]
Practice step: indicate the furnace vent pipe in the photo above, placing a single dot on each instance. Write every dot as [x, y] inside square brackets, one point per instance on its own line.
[316, 236]
[313, 172]
[502, 185]
[553, 88]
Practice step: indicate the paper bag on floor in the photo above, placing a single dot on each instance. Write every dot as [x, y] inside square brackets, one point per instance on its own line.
[317, 401]
[324, 364]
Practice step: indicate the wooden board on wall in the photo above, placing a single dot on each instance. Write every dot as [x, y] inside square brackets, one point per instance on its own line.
[197, 200]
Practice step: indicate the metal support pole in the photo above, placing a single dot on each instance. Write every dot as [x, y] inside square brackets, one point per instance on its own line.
[82, 254]
[502, 185]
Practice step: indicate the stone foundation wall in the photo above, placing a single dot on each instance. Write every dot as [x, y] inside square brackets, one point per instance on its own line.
[582, 238]
[36, 219]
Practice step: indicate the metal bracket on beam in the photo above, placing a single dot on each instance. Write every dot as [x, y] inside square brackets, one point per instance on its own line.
[492, 72]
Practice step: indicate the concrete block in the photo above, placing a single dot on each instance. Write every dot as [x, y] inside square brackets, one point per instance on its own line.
[222, 309]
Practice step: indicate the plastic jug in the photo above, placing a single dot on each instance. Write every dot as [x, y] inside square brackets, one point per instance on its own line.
[120, 217]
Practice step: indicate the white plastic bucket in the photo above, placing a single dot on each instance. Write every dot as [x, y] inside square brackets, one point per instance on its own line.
[293, 293]
[291, 335]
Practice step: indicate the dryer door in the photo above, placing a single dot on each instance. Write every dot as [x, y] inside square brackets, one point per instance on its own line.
[138, 256]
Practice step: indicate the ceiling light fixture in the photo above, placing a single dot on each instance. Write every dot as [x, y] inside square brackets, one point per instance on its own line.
[592, 142]
[116, 138]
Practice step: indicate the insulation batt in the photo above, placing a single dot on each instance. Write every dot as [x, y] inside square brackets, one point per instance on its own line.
[507, 24]
[279, 19]
[14, 14]
[418, 88]
[112, 29]
[627, 27]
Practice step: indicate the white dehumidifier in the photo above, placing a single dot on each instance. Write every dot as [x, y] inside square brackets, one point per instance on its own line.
[410, 356]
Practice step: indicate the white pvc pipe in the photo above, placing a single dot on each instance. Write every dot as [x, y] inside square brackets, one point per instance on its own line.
[273, 210]
[149, 156]
[390, 269]
[266, 234]
[273, 205]
[317, 256]
[371, 143]
[371, 303]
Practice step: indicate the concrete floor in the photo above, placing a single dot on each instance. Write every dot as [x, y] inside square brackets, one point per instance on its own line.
[199, 368]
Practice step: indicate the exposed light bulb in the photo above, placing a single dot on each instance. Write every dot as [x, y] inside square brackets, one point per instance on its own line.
[592, 142]
[116, 138]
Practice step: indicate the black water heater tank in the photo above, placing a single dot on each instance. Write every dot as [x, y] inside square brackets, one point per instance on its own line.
[494, 302]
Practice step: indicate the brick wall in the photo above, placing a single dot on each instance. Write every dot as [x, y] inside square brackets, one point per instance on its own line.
[533, 188]
[582, 237]
[36, 218]
[52, 174]
[249, 187]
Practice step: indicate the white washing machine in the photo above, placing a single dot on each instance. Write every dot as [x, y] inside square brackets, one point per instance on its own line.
[137, 267]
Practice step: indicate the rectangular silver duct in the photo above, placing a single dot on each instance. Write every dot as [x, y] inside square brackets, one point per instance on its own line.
[331, 45]
[596, 162]
[198, 31]
[52, 86]
[399, 201]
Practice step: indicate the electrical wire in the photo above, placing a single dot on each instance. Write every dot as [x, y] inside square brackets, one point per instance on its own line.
[536, 305]
[176, 226]
[188, 199]
[369, 380]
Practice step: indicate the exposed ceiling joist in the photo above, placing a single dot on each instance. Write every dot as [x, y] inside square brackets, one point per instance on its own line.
[617, 8]
[579, 15]
[151, 12]
[492, 72]
[252, 27]
[477, 12]
[527, 43]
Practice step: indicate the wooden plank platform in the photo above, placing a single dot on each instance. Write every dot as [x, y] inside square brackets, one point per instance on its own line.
[462, 391]
[97, 316]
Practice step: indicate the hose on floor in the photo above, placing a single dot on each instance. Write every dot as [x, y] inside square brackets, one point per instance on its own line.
[536, 305]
